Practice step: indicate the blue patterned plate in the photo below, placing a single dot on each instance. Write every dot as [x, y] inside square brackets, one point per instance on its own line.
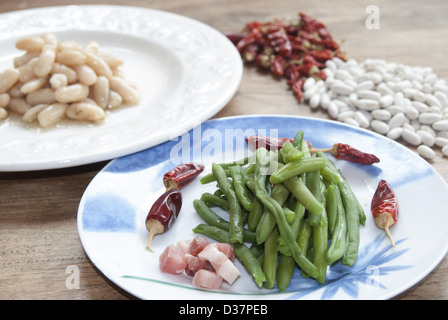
[113, 209]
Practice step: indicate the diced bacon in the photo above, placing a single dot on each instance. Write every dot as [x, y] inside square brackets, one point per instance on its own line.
[207, 279]
[172, 260]
[194, 264]
[225, 248]
[198, 244]
[220, 262]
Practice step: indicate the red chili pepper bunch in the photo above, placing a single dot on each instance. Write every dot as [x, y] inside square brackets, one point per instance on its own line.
[295, 50]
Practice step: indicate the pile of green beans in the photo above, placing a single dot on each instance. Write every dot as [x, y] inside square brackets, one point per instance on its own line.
[287, 210]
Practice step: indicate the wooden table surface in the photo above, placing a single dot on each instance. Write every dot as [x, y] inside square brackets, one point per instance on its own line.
[38, 210]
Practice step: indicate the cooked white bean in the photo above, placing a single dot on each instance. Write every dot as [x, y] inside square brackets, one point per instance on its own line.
[4, 100]
[71, 93]
[31, 114]
[86, 75]
[68, 45]
[44, 95]
[101, 91]
[99, 65]
[71, 74]
[8, 79]
[19, 105]
[115, 100]
[45, 62]
[50, 38]
[426, 152]
[52, 114]
[33, 85]
[30, 43]
[24, 59]
[3, 114]
[85, 112]
[58, 80]
[126, 91]
[113, 61]
[71, 57]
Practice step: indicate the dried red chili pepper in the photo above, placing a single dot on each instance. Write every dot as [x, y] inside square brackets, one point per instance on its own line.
[181, 175]
[345, 152]
[384, 208]
[279, 40]
[166, 208]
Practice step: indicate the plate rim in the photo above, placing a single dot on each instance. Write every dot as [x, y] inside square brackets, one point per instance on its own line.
[387, 295]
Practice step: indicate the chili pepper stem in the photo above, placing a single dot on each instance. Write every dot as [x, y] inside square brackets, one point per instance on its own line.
[154, 227]
[385, 221]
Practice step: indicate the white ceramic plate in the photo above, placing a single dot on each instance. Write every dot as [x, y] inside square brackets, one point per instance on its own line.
[114, 206]
[185, 70]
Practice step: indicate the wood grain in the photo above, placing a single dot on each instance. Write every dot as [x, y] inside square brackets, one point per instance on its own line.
[38, 210]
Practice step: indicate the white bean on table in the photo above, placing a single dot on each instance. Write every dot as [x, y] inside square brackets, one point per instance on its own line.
[396, 100]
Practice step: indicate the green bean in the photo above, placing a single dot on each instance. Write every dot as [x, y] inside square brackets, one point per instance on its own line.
[304, 235]
[352, 218]
[290, 153]
[215, 200]
[298, 139]
[298, 188]
[236, 214]
[284, 228]
[320, 231]
[242, 252]
[267, 222]
[240, 162]
[212, 219]
[240, 187]
[297, 167]
[255, 215]
[339, 235]
[285, 271]
[331, 206]
[270, 259]
[335, 172]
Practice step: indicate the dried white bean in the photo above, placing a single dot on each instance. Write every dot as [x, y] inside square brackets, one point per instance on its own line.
[445, 150]
[379, 126]
[442, 97]
[440, 125]
[310, 82]
[429, 117]
[386, 100]
[427, 138]
[368, 104]
[352, 122]
[395, 133]
[441, 142]
[426, 152]
[420, 106]
[384, 89]
[411, 112]
[315, 100]
[393, 109]
[365, 85]
[369, 94]
[411, 137]
[333, 109]
[381, 114]
[324, 100]
[432, 101]
[341, 88]
[342, 116]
